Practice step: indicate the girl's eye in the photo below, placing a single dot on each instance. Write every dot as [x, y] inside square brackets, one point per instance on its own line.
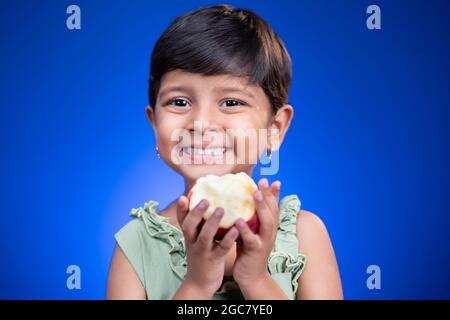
[178, 102]
[232, 103]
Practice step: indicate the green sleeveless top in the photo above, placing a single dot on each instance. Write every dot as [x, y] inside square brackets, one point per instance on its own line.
[156, 250]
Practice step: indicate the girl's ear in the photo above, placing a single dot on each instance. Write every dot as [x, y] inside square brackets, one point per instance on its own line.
[279, 126]
[151, 117]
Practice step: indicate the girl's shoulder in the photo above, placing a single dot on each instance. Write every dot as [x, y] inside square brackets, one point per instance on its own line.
[306, 222]
[311, 232]
[315, 243]
[309, 220]
[147, 221]
[148, 238]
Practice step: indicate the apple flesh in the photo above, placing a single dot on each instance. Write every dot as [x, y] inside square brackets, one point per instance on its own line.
[233, 193]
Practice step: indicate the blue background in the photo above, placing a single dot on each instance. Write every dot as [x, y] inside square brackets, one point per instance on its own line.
[368, 150]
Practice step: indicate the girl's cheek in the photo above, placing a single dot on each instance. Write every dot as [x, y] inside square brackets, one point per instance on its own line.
[167, 126]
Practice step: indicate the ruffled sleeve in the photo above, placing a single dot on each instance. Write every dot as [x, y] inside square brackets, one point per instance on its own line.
[159, 227]
[285, 262]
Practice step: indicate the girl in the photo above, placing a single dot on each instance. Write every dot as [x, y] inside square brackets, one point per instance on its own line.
[220, 73]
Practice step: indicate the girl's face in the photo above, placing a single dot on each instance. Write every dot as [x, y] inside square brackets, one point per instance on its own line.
[214, 124]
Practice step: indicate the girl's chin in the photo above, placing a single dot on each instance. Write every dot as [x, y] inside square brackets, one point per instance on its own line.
[193, 172]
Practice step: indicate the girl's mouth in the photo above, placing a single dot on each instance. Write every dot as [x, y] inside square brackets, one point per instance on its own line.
[208, 155]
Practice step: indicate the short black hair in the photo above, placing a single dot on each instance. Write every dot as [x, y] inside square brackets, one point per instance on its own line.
[219, 40]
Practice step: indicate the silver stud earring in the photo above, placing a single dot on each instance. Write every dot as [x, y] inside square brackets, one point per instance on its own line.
[157, 153]
[269, 152]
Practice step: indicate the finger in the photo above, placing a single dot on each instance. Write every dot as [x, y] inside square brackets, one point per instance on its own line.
[272, 198]
[226, 243]
[276, 186]
[209, 229]
[265, 189]
[193, 219]
[263, 184]
[250, 240]
[269, 197]
[265, 216]
[182, 209]
[274, 204]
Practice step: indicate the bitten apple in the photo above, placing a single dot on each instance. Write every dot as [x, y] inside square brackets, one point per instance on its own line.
[232, 192]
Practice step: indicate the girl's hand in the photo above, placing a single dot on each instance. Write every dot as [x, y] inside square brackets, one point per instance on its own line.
[253, 250]
[205, 256]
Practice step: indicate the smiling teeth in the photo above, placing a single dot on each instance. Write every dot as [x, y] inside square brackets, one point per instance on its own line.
[207, 151]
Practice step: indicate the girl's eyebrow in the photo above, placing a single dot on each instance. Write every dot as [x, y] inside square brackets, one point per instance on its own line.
[231, 89]
[234, 89]
[165, 91]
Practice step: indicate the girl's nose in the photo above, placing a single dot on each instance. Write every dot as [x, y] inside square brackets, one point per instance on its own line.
[204, 118]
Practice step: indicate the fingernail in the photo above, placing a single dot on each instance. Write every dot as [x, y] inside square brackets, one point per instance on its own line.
[265, 183]
[258, 196]
[203, 204]
[240, 223]
[219, 213]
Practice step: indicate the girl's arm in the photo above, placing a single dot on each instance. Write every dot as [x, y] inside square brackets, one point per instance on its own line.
[320, 279]
[123, 282]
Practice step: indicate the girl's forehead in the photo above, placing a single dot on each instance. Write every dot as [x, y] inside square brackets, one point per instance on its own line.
[187, 81]
[182, 74]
